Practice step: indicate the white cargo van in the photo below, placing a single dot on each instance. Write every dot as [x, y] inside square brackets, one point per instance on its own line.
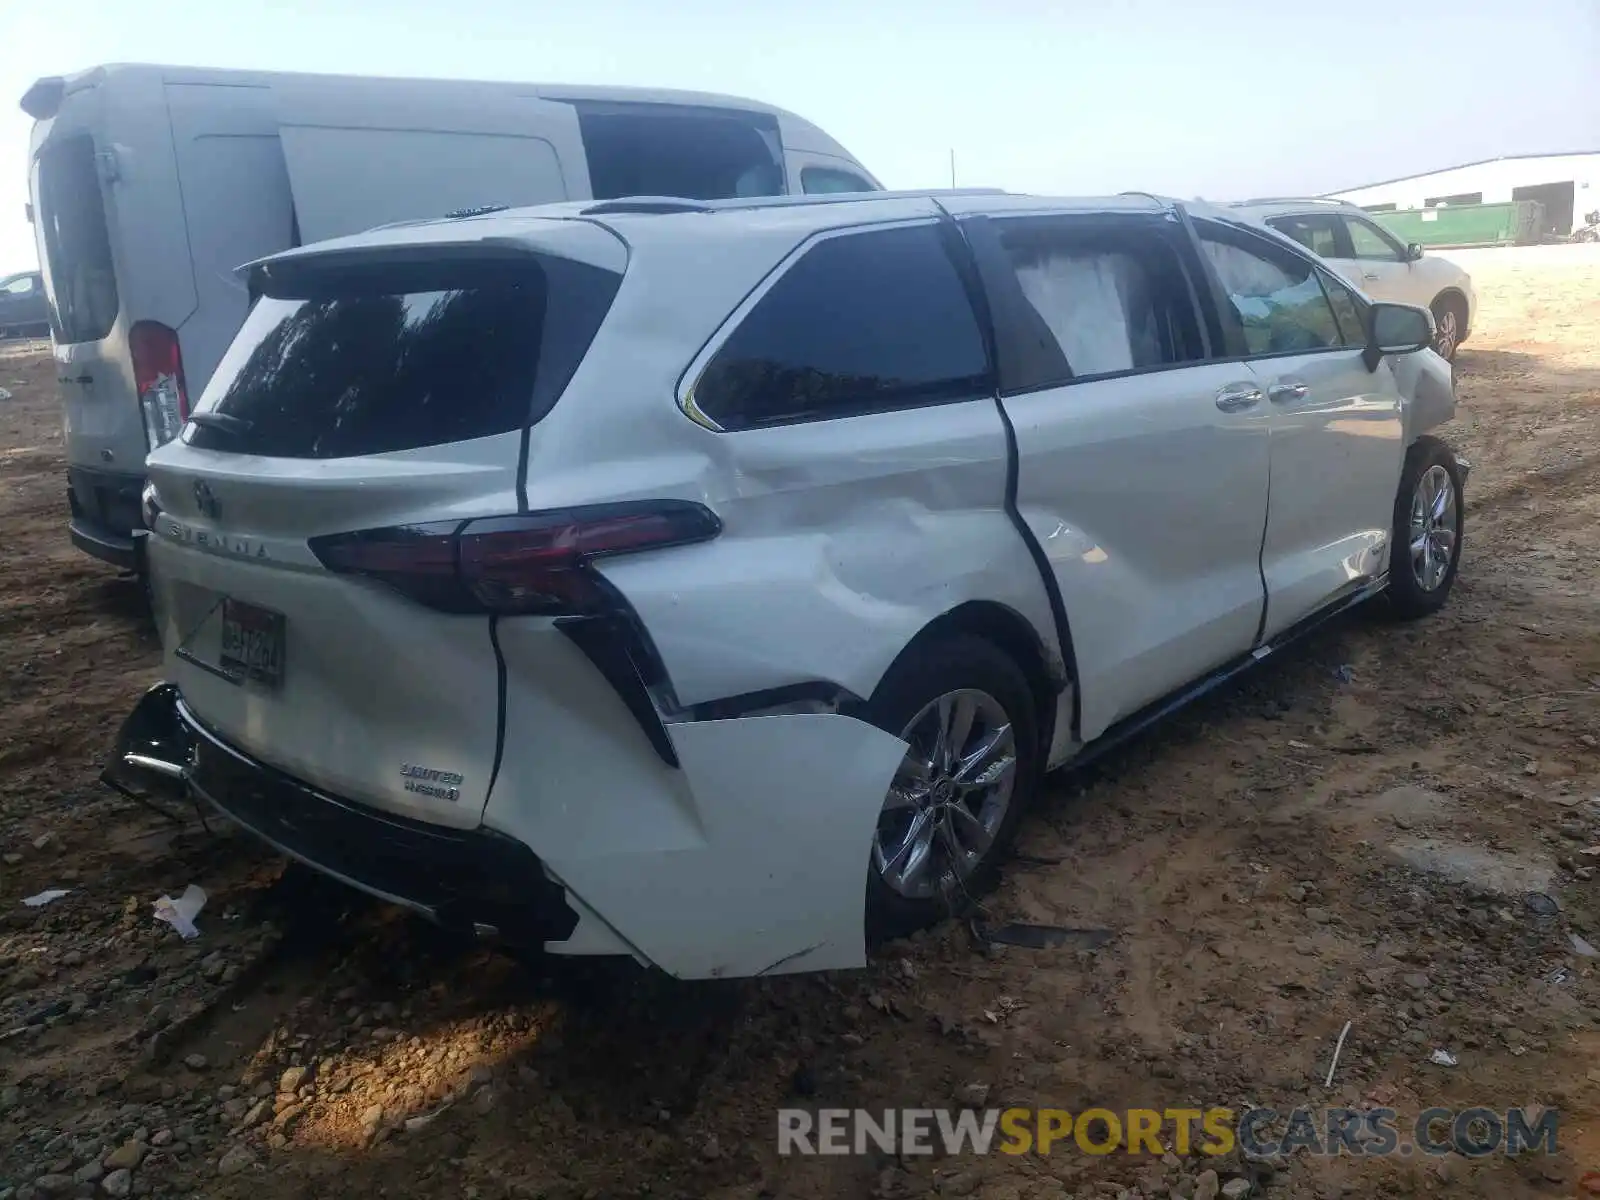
[150, 185]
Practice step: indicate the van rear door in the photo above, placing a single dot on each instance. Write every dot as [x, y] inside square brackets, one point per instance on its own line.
[370, 152]
[236, 206]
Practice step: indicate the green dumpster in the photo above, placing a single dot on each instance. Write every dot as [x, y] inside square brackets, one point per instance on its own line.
[1517, 223]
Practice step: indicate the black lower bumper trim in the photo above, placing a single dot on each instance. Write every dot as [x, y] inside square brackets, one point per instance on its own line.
[462, 878]
[104, 545]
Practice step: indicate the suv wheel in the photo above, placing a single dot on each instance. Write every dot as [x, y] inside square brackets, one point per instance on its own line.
[1450, 321]
[966, 711]
[1425, 542]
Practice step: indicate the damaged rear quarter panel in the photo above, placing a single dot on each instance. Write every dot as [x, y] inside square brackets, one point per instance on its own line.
[841, 541]
[750, 858]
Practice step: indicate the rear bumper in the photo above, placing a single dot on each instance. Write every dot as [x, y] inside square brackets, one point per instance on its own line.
[476, 881]
[105, 513]
[103, 544]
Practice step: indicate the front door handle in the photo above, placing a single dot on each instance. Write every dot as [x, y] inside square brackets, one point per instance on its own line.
[1237, 397]
[1285, 393]
[1370, 276]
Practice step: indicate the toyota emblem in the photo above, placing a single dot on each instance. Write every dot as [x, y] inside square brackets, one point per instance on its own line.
[205, 500]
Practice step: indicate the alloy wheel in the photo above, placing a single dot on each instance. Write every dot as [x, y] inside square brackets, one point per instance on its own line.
[1447, 331]
[949, 797]
[1433, 527]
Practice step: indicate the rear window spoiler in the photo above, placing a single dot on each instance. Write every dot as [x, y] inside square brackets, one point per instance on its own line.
[43, 100]
[578, 241]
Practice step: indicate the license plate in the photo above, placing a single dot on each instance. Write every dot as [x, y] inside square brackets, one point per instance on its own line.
[252, 642]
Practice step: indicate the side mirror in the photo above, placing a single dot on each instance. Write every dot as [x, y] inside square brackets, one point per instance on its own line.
[1396, 329]
[1413, 252]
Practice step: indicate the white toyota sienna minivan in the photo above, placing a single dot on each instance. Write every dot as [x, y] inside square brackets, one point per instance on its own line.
[711, 583]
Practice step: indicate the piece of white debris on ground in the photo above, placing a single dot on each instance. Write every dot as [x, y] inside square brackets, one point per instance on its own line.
[46, 897]
[180, 913]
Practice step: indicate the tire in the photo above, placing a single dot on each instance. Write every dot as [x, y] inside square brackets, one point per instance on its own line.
[1450, 325]
[1420, 579]
[978, 674]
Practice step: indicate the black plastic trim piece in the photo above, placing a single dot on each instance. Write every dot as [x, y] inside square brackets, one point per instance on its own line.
[812, 691]
[500, 702]
[615, 649]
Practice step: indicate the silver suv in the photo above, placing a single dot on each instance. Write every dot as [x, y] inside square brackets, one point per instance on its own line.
[712, 583]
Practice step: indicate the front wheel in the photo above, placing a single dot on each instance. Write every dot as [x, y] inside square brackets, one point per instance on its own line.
[1425, 541]
[966, 713]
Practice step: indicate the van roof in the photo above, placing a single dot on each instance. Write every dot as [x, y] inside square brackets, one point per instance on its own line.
[47, 92]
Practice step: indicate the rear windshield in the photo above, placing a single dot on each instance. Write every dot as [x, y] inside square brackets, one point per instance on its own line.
[380, 358]
[74, 247]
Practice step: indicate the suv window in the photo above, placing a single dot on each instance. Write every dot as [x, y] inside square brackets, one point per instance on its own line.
[859, 323]
[22, 285]
[375, 359]
[825, 180]
[1369, 242]
[1275, 293]
[1115, 299]
[1317, 232]
[74, 245]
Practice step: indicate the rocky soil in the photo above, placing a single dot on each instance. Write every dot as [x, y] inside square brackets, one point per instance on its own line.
[1387, 826]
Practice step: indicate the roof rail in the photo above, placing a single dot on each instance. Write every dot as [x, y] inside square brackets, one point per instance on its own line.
[1291, 200]
[669, 204]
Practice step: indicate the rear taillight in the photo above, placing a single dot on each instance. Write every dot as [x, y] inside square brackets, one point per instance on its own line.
[533, 564]
[158, 378]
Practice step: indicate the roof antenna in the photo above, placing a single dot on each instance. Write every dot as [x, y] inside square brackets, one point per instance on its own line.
[952, 168]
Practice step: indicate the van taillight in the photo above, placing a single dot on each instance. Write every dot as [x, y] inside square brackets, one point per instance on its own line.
[158, 378]
[536, 564]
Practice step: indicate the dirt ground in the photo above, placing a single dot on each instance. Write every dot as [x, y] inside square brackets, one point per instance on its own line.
[1384, 826]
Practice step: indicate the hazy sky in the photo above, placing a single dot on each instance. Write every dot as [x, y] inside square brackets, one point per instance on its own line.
[1221, 99]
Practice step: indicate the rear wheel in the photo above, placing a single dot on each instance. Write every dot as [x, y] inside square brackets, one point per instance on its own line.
[1425, 543]
[1450, 325]
[966, 712]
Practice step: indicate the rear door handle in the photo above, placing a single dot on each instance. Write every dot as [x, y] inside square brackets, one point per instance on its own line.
[1237, 397]
[1285, 393]
[1370, 276]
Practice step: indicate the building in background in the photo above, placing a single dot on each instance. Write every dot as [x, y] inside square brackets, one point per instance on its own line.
[1568, 185]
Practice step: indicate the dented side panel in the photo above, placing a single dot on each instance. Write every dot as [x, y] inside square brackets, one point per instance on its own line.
[841, 541]
[1427, 383]
[751, 858]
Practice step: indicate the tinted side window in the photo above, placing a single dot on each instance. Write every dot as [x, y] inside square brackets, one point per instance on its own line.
[1318, 233]
[1114, 299]
[1369, 243]
[74, 244]
[861, 322]
[1275, 293]
[1348, 308]
[826, 180]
